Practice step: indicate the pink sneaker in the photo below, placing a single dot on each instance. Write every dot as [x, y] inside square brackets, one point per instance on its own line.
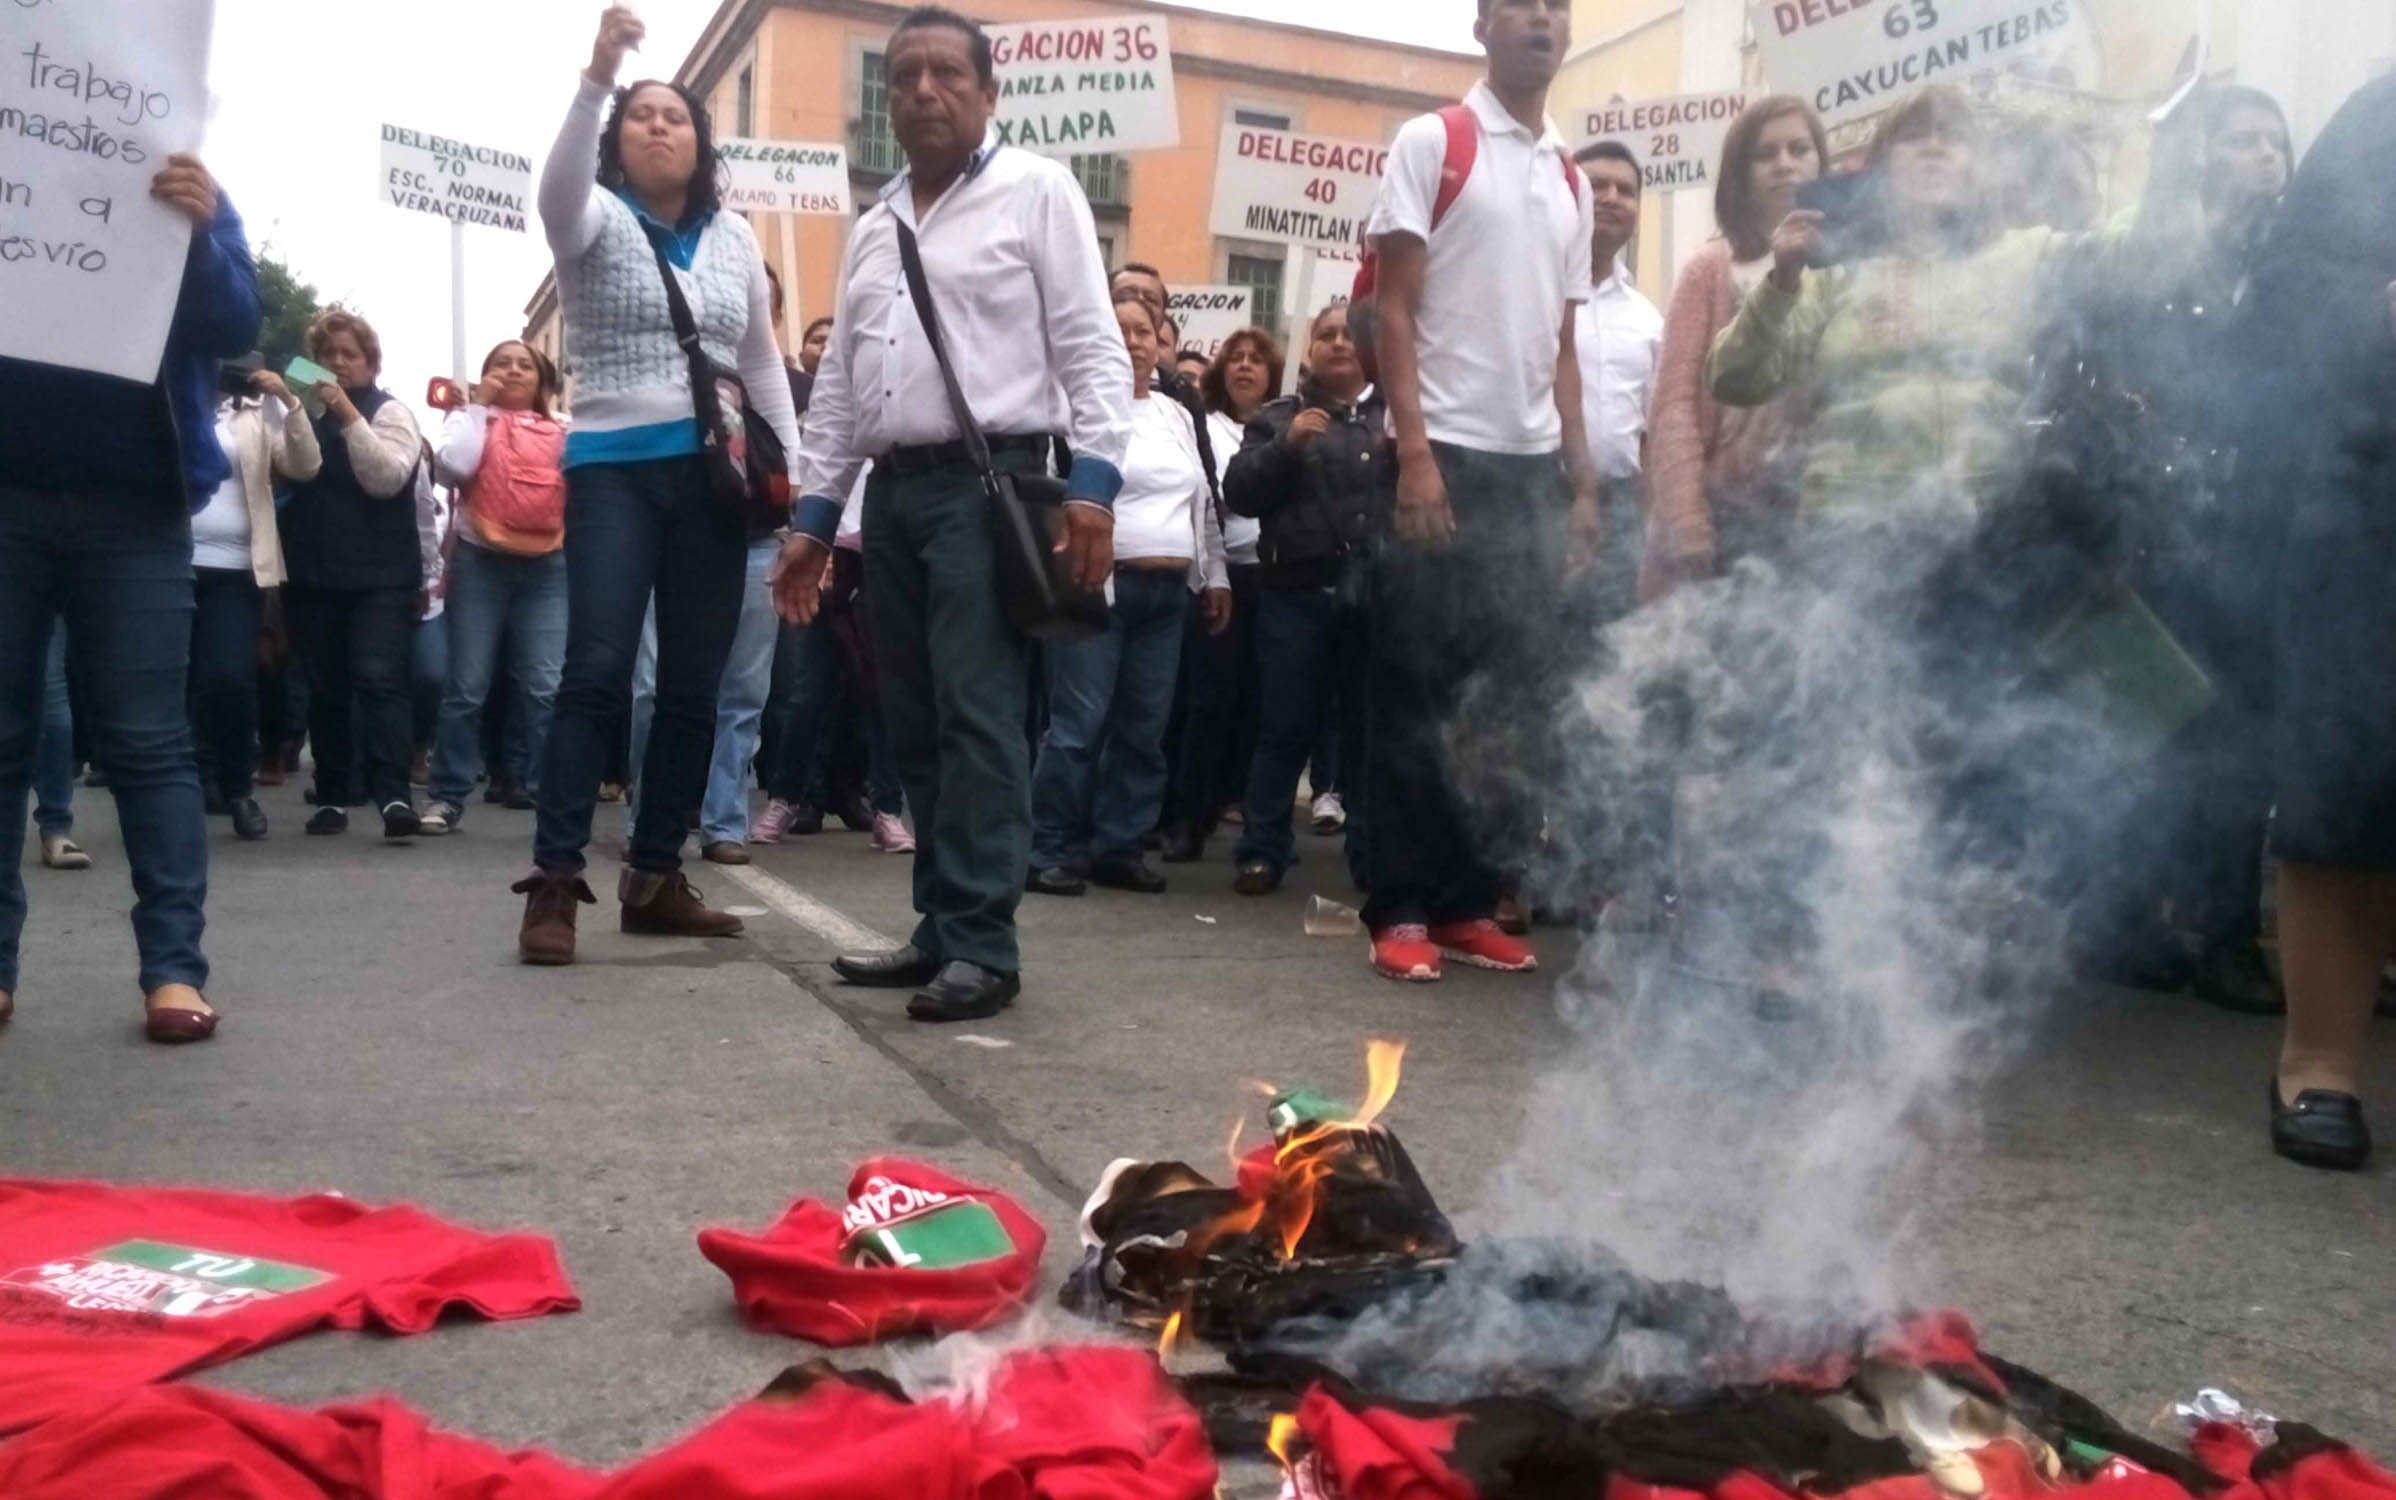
[772, 823]
[891, 835]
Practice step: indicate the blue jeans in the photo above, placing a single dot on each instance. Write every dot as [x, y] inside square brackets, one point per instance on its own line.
[633, 529]
[224, 677]
[831, 655]
[739, 705]
[1309, 652]
[117, 570]
[1100, 779]
[54, 761]
[494, 594]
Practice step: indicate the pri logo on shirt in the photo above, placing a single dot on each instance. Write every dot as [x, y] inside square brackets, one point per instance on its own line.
[162, 1280]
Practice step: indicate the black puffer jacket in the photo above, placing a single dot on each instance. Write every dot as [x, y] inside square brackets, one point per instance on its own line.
[1317, 505]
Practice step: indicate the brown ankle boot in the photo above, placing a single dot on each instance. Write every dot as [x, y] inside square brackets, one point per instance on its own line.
[665, 904]
[549, 901]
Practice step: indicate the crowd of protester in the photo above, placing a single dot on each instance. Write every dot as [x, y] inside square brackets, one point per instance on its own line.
[1341, 582]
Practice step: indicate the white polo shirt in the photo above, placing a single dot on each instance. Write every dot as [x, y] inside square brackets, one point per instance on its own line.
[1511, 252]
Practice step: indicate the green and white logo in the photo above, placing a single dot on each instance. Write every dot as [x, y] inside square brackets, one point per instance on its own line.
[171, 1281]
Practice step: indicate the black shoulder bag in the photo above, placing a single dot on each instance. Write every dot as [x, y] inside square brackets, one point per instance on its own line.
[747, 469]
[1036, 590]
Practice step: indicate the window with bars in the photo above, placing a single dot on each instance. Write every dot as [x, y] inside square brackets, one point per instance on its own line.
[744, 103]
[1105, 180]
[1263, 273]
[874, 148]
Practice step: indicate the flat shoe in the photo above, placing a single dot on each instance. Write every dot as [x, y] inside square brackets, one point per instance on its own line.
[2323, 1128]
[171, 1024]
[1056, 882]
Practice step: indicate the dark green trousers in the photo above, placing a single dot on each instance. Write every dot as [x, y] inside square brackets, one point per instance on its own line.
[954, 681]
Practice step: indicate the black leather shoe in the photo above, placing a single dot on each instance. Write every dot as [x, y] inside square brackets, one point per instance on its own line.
[1184, 846]
[1127, 875]
[2323, 1128]
[1256, 878]
[329, 820]
[1057, 882]
[399, 820]
[902, 968]
[964, 992]
[249, 820]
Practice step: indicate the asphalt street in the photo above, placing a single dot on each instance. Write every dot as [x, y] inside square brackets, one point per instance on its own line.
[2122, 1226]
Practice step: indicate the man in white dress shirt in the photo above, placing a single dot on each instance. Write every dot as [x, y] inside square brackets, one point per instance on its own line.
[1617, 341]
[1011, 257]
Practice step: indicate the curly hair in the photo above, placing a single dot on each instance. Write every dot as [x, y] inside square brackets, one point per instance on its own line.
[1217, 393]
[705, 191]
[338, 320]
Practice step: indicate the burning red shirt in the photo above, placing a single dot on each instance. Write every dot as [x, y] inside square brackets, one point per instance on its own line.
[104, 1288]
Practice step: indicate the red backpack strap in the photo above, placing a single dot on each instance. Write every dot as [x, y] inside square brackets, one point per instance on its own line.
[1464, 144]
[1572, 179]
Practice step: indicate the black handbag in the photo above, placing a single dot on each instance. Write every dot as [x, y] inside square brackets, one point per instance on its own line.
[748, 470]
[1036, 590]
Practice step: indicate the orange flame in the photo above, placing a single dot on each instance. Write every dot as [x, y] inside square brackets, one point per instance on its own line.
[1282, 1439]
[1170, 1339]
[1299, 1172]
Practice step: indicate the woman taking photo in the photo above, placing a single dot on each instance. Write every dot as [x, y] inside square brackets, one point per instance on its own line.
[1221, 737]
[1309, 467]
[1709, 500]
[351, 548]
[631, 182]
[1100, 778]
[507, 568]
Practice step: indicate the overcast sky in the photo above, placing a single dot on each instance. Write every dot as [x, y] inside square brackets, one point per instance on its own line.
[302, 91]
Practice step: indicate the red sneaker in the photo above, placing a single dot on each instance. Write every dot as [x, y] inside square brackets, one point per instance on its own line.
[1405, 952]
[1481, 944]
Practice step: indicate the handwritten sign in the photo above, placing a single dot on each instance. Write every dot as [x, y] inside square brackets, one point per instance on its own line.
[1852, 58]
[94, 96]
[1308, 189]
[1207, 315]
[785, 177]
[1085, 88]
[464, 184]
[1678, 140]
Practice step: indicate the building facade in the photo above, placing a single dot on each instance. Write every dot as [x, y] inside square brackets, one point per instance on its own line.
[811, 70]
[2308, 54]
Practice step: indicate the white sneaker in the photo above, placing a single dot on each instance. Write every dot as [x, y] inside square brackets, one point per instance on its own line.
[1329, 816]
[439, 818]
[62, 853]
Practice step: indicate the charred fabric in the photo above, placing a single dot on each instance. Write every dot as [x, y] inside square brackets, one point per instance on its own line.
[1350, 1316]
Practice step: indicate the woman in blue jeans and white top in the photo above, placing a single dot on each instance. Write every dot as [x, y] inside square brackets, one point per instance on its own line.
[640, 519]
[507, 566]
[1100, 779]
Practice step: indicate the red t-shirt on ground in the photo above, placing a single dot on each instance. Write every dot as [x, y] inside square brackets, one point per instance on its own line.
[104, 1288]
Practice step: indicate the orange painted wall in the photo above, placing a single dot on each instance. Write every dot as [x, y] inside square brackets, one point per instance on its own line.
[807, 63]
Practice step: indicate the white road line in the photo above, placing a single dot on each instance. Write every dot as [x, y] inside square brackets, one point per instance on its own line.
[832, 926]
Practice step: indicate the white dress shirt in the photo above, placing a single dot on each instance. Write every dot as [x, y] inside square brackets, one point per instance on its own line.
[1011, 255]
[1616, 337]
[1511, 253]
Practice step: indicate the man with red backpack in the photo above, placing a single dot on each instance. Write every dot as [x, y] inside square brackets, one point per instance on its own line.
[1478, 250]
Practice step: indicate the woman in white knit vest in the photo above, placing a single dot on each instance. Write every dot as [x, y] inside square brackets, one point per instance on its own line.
[615, 200]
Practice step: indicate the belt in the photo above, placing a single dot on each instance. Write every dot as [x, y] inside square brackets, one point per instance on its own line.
[923, 458]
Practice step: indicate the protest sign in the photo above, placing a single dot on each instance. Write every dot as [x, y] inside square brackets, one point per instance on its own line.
[1678, 140]
[1207, 315]
[785, 177]
[1280, 185]
[1325, 278]
[94, 96]
[1852, 58]
[450, 179]
[1085, 88]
